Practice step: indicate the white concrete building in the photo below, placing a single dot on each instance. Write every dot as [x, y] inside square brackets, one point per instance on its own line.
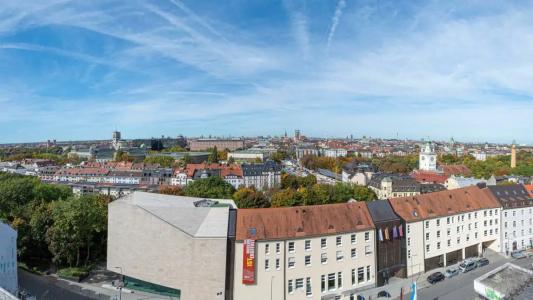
[517, 217]
[262, 176]
[177, 243]
[334, 152]
[427, 158]
[445, 227]
[249, 155]
[457, 182]
[8, 259]
[307, 252]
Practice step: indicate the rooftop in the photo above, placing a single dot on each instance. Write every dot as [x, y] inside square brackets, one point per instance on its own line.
[301, 221]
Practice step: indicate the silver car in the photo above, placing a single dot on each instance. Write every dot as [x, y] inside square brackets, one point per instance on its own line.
[451, 272]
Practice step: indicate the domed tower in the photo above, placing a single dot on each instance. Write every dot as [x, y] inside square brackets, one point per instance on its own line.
[427, 159]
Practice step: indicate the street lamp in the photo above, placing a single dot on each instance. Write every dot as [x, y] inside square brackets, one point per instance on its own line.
[121, 283]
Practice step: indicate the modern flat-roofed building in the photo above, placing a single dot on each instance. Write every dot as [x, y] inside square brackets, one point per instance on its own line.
[517, 216]
[175, 246]
[318, 252]
[8, 258]
[445, 227]
[221, 144]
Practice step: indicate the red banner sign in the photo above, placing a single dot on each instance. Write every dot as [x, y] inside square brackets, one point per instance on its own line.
[248, 262]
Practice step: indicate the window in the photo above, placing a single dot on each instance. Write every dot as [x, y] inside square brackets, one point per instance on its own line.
[353, 238]
[360, 274]
[408, 228]
[353, 253]
[469, 216]
[331, 281]
[438, 222]
[475, 225]
[438, 245]
[427, 224]
[367, 236]
[475, 235]
[485, 213]
[307, 245]
[307, 260]
[277, 263]
[323, 243]
[292, 262]
[339, 241]
[353, 276]
[475, 214]
[449, 243]
[448, 231]
[267, 265]
[408, 241]
[291, 247]
[448, 220]
[267, 249]
[427, 236]
[427, 248]
[458, 229]
[485, 233]
[485, 223]
[367, 273]
[467, 238]
[324, 258]
[308, 289]
[339, 280]
[277, 248]
[469, 226]
[299, 285]
[408, 253]
[458, 240]
[290, 287]
[462, 218]
[339, 255]
[505, 214]
[323, 283]
[368, 251]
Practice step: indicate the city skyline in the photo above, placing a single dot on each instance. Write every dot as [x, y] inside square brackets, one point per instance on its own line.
[334, 68]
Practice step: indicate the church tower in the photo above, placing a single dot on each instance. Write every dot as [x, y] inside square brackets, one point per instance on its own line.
[427, 160]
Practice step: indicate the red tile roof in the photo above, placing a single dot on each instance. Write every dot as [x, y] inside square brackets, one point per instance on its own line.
[529, 188]
[428, 177]
[301, 221]
[444, 203]
[450, 170]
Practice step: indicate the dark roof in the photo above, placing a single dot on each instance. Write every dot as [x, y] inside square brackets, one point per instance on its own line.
[329, 174]
[296, 222]
[258, 169]
[355, 167]
[381, 211]
[431, 188]
[511, 196]
[400, 183]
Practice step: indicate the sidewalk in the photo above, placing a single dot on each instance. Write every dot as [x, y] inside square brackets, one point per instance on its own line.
[395, 285]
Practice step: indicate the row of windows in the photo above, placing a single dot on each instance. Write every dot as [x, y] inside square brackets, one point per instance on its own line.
[449, 242]
[461, 218]
[323, 243]
[514, 212]
[521, 233]
[329, 282]
[521, 222]
[291, 261]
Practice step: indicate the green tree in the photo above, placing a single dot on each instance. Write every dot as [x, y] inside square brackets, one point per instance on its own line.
[250, 198]
[213, 157]
[162, 160]
[286, 197]
[231, 160]
[212, 187]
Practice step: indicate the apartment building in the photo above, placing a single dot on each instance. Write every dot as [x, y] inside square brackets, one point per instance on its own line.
[8, 258]
[517, 216]
[232, 174]
[262, 176]
[445, 227]
[318, 252]
[390, 185]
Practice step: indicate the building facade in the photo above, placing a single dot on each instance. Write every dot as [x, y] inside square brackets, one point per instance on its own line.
[262, 176]
[8, 259]
[221, 144]
[445, 227]
[318, 252]
[517, 217]
[389, 185]
[427, 158]
[178, 244]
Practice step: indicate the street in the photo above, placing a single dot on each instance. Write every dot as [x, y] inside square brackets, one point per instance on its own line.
[462, 285]
[49, 288]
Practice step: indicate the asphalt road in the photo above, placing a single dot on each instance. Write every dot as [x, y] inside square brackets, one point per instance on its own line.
[49, 288]
[461, 287]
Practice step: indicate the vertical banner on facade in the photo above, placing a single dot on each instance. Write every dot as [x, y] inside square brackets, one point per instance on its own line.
[248, 262]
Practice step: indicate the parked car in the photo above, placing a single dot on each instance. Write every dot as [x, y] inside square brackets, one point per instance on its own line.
[467, 266]
[518, 254]
[482, 262]
[451, 272]
[435, 277]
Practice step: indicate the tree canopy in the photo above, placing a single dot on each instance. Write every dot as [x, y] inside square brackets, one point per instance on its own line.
[211, 187]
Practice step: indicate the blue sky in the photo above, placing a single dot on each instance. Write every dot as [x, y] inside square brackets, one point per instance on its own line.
[80, 69]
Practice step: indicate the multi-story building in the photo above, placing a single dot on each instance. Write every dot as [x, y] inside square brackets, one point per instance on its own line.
[221, 144]
[232, 174]
[517, 216]
[445, 227]
[334, 152]
[456, 182]
[124, 177]
[302, 151]
[357, 173]
[318, 252]
[248, 155]
[8, 258]
[428, 158]
[390, 185]
[262, 176]
[175, 246]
